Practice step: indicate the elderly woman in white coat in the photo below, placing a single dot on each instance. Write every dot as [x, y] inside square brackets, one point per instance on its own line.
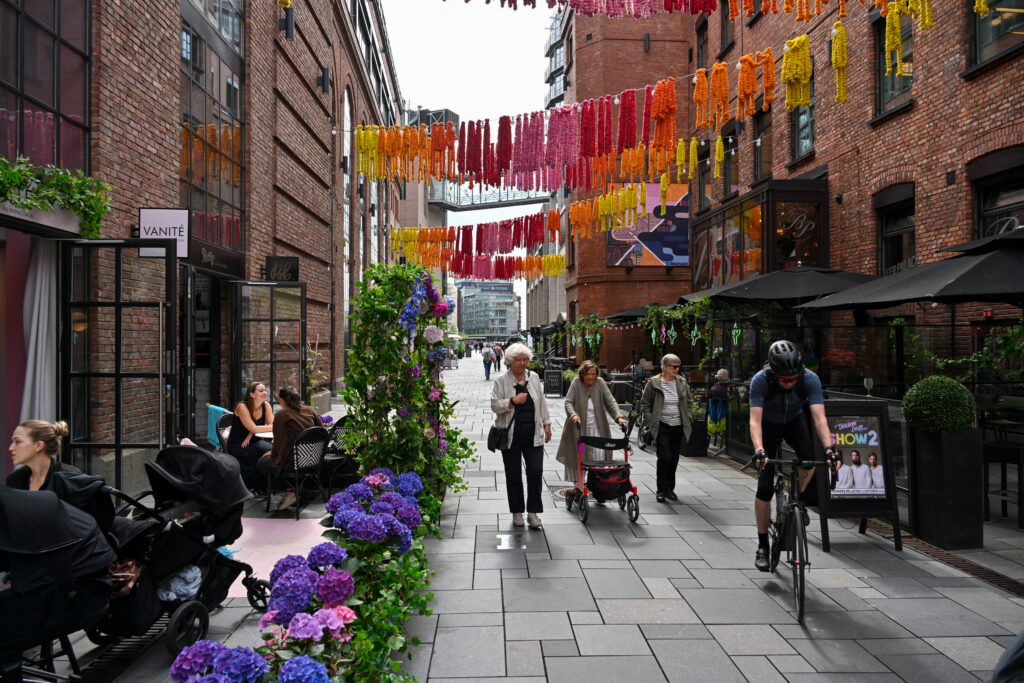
[517, 399]
[666, 407]
[587, 407]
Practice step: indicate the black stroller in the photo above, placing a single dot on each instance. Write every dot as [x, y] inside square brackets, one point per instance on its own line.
[604, 479]
[57, 560]
[198, 503]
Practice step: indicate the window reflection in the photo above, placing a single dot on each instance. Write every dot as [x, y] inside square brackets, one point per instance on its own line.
[797, 237]
[752, 225]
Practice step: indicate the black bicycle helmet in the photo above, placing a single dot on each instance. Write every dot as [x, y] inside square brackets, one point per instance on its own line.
[785, 359]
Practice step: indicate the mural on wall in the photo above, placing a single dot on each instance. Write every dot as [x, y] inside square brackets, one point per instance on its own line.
[655, 240]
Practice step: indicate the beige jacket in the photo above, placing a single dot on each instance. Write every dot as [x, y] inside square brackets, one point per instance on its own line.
[576, 404]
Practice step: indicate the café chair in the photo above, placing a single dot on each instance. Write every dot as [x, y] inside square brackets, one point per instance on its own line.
[337, 463]
[301, 464]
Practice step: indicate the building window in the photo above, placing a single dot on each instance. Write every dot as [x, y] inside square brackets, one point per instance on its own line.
[1000, 30]
[894, 90]
[896, 225]
[730, 167]
[703, 175]
[1001, 204]
[801, 127]
[727, 27]
[762, 145]
[44, 83]
[757, 7]
[702, 44]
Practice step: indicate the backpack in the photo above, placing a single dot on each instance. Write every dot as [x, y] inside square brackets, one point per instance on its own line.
[773, 387]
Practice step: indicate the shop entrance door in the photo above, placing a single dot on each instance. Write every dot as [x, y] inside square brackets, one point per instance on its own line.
[117, 359]
[199, 322]
[270, 337]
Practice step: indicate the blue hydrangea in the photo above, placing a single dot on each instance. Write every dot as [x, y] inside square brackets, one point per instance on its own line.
[240, 665]
[360, 491]
[368, 528]
[346, 516]
[408, 484]
[210, 678]
[284, 565]
[338, 501]
[194, 660]
[325, 555]
[380, 507]
[409, 515]
[292, 593]
[393, 499]
[302, 669]
[383, 470]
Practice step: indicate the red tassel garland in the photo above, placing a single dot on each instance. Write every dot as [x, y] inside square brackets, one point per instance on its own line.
[648, 100]
[627, 121]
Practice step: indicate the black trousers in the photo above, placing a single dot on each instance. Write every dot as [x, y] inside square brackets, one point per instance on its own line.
[523, 449]
[247, 459]
[797, 433]
[670, 439]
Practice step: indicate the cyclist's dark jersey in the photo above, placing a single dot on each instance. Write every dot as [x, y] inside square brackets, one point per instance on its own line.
[782, 405]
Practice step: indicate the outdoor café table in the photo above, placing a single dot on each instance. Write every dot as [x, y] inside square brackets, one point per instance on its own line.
[269, 436]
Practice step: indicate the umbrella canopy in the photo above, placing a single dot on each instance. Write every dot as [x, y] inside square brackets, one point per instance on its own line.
[631, 314]
[799, 282]
[988, 276]
[1014, 239]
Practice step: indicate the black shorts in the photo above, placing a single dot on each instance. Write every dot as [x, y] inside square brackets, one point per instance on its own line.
[796, 433]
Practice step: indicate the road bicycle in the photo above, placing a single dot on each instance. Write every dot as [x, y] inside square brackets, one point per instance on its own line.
[787, 531]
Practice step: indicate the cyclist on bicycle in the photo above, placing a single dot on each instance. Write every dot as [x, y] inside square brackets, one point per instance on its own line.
[777, 397]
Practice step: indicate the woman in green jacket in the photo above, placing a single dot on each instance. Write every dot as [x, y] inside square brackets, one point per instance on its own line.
[666, 407]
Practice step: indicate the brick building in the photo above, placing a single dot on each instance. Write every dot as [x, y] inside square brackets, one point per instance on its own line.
[908, 166]
[242, 114]
[611, 272]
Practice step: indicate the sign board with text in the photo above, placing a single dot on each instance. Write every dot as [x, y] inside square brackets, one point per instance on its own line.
[164, 224]
[552, 382]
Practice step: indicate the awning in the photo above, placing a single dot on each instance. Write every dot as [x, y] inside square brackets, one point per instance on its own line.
[797, 283]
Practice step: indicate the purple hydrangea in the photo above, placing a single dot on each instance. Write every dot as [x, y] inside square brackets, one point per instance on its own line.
[409, 515]
[360, 491]
[428, 284]
[414, 371]
[386, 471]
[240, 665]
[335, 587]
[404, 412]
[292, 593]
[393, 499]
[409, 484]
[210, 678]
[326, 420]
[302, 669]
[335, 619]
[404, 542]
[367, 528]
[435, 394]
[305, 627]
[346, 517]
[379, 507]
[337, 501]
[284, 565]
[325, 555]
[194, 660]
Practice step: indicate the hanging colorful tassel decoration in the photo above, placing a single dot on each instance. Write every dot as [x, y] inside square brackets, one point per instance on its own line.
[719, 94]
[797, 71]
[719, 157]
[746, 88]
[766, 60]
[664, 194]
[648, 100]
[839, 59]
[672, 334]
[693, 159]
[680, 159]
[981, 8]
[627, 121]
[700, 97]
[893, 40]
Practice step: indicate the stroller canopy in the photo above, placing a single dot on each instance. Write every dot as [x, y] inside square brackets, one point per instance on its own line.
[191, 473]
[88, 493]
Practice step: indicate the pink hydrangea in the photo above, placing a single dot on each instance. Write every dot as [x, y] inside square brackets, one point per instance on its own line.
[440, 309]
[376, 480]
[433, 334]
[435, 394]
[334, 619]
[267, 619]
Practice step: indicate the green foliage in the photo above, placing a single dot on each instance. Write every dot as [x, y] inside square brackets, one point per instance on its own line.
[1001, 354]
[34, 187]
[939, 404]
[316, 372]
[569, 375]
[586, 333]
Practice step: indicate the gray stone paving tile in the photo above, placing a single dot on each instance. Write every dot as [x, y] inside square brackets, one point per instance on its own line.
[685, 583]
[482, 619]
[893, 567]
[833, 578]
[416, 660]
[559, 648]
[721, 578]
[990, 604]
[468, 520]
[605, 564]
[758, 669]
[695, 660]
[972, 653]
[657, 549]
[486, 579]
[435, 548]
[586, 552]
[734, 560]
[616, 611]
[515, 573]
[422, 627]
[451, 575]
[615, 583]
[896, 646]
[735, 606]
[837, 656]
[843, 678]
[756, 639]
[927, 668]
[473, 601]
[501, 541]
[845, 598]
[553, 569]
[537, 626]
[851, 625]
[900, 587]
[661, 588]
[619, 668]
[937, 617]
[503, 560]
[726, 517]
[524, 658]
[791, 664]
[660, 569]
[546, 595]
[621, 639]
[675, 631]
[468, 651]
[570, 534]
[653, 531]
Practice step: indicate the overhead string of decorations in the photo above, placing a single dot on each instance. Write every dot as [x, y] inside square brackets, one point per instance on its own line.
[484, 251]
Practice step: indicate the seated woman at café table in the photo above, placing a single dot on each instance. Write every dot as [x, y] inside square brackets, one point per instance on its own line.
[293, 417]
[251, 416]
[35, 451]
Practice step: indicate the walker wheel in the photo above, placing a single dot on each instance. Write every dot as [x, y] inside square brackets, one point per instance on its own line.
[258, 594]
[622, 502]
[568, 499]
[584, 509]
[188, 624]
[633, 507]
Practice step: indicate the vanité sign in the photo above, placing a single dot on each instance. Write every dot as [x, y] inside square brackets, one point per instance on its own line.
[164, 224]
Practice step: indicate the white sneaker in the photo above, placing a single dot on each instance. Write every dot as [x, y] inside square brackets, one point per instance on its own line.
[517, 519]
[287, 500]
[534, 521]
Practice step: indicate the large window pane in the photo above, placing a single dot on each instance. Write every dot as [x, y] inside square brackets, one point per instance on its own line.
[37, 63]
[74, 21]
[762, 145]
[40, 136]
[898, 249]
[752, 232]
[894, 90]
[72, 147]
[73, 80]
[802, 128]
[798, 240]
[42, 11]
[1001, 29]
[8, 45]
[732, 245]
[9, 123]
[1002, 206]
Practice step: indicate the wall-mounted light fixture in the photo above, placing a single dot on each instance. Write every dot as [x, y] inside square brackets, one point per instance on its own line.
[668, 270]
[839, 198]
[629, 269]
[343, 164]
[287, 23]
[373, 209]
[324, 80]
[647, 42]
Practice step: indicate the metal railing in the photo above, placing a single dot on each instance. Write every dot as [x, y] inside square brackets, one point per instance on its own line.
[458, 197]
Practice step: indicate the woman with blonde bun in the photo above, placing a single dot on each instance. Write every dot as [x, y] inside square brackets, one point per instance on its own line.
[35, 451]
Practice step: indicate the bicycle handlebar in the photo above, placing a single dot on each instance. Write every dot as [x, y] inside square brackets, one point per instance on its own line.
[789, 463]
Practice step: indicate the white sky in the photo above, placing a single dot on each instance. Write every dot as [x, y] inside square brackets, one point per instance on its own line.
[478, 60]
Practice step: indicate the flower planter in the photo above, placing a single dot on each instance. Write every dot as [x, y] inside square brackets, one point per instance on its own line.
[322, 402]
[948, 475]
[56, 218]
[697, 445]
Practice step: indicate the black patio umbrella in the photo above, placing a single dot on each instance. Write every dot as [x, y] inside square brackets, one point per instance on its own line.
[1013, 239]
[981, 276]
[799, 283]
[631, 314]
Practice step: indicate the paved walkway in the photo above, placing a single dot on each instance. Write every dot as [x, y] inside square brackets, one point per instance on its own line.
[675, 597]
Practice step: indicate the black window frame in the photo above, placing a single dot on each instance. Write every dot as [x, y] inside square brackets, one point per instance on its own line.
[730, 164]
[728, 31]
[762, 133]
[702, 43]
[1013, 214]
[976, 57]
[795, 118]
[895, 216]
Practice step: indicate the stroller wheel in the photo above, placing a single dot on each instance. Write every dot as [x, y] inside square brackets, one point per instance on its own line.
[98, 637]
[633, 507]
[568, 499]
[584, 508]
[622, 502]
[258, 593]
[188, 624]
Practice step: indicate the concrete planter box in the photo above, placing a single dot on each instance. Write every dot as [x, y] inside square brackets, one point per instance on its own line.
[949, 475]
[56, 218]
[322, 402]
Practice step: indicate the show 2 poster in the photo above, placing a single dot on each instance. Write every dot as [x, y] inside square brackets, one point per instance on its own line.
[655, 240]
[860, 470]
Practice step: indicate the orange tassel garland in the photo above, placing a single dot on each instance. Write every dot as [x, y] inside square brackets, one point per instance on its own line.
[720, 94]
[746, 88]
[700, 97]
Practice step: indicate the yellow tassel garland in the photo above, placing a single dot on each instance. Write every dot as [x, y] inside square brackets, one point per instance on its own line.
[680, 159]
[797, 72]
[893, 40]
[719, 157]
[693, 158]
[839, 59]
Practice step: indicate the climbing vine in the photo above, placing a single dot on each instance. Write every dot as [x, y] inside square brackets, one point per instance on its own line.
[1002, 353]
[586, 333]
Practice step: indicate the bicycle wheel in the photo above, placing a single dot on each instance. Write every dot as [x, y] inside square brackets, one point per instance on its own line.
[798, 560]
[775, 536]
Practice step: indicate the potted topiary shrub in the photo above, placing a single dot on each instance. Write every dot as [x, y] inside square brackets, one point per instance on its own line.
[948, 464]
[568, 376]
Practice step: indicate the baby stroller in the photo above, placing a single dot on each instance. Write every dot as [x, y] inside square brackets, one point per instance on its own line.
[57, 558]
[198, 502]
[604, 479]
